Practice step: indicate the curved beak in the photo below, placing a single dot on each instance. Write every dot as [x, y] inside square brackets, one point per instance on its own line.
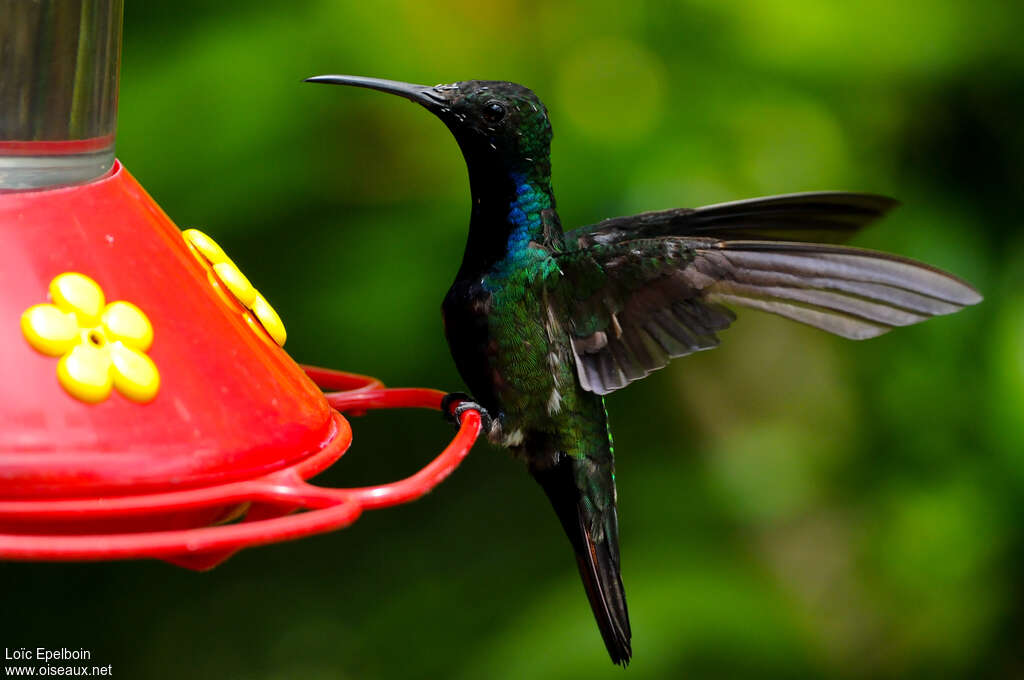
[427, 96]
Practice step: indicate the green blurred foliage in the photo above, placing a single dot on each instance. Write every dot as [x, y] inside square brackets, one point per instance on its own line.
[792, 505]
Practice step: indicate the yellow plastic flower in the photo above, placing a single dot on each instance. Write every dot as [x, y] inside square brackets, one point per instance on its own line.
[234, 280]
[101, 346]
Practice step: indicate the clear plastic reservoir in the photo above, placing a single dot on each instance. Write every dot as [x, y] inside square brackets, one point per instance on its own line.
[59, 64]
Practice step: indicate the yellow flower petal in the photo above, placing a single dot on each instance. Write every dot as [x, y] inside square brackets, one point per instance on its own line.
[231, 278]
[49, 330]
[235, 281]
[135, 374]
[77, 293]
[85, 373]
[127, 323]
[269, 318]
[206, 246]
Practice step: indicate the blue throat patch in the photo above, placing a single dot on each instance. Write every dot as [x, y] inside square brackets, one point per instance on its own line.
[524, 216]
[524, 213]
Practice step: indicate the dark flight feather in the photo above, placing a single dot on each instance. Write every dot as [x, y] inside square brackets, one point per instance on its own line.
[819, 217]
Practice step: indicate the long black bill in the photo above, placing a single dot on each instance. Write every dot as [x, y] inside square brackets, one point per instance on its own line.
[421, 94]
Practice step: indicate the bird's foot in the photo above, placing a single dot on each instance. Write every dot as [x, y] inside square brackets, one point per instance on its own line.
[454, 404]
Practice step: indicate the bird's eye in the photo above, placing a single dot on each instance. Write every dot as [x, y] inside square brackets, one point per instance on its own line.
[493, 112]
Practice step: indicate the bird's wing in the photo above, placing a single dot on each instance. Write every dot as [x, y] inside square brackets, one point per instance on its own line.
[819, 217]
[636, 304]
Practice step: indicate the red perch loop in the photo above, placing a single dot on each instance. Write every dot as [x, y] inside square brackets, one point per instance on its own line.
[272, 499]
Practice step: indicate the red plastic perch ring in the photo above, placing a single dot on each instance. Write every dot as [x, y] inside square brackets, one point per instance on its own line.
[269, 502]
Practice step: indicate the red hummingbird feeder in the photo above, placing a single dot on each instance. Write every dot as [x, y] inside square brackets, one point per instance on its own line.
[149, 410]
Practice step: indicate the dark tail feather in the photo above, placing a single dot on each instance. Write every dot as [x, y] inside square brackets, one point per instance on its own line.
[593, 532]
[601, 579]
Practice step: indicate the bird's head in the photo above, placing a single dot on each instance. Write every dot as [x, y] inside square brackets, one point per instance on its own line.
[493, 121]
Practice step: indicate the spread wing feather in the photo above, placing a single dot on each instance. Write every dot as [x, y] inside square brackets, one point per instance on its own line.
[820, 217]
[636, 303]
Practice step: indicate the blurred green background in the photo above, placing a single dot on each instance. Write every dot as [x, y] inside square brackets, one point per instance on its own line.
[792, 504]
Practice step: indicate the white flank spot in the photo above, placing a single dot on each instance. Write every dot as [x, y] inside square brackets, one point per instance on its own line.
[554, 327]
[514, 438]
[554, 402]
[553, 361]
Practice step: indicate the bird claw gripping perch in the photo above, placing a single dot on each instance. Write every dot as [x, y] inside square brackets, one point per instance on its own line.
[454, 404]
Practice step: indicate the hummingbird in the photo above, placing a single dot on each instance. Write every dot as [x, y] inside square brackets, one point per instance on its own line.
[543, 323]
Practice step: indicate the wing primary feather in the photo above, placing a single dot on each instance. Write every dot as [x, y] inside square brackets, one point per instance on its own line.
[897, 297]
[834, 202]
[825, 216]
[851, 292]
[866, 309]
[833, 322]
[855, 264]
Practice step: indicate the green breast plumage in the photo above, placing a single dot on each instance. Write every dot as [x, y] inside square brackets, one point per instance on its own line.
[531, 361]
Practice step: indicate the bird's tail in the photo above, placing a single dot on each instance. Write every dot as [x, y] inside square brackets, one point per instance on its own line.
[583, 495]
